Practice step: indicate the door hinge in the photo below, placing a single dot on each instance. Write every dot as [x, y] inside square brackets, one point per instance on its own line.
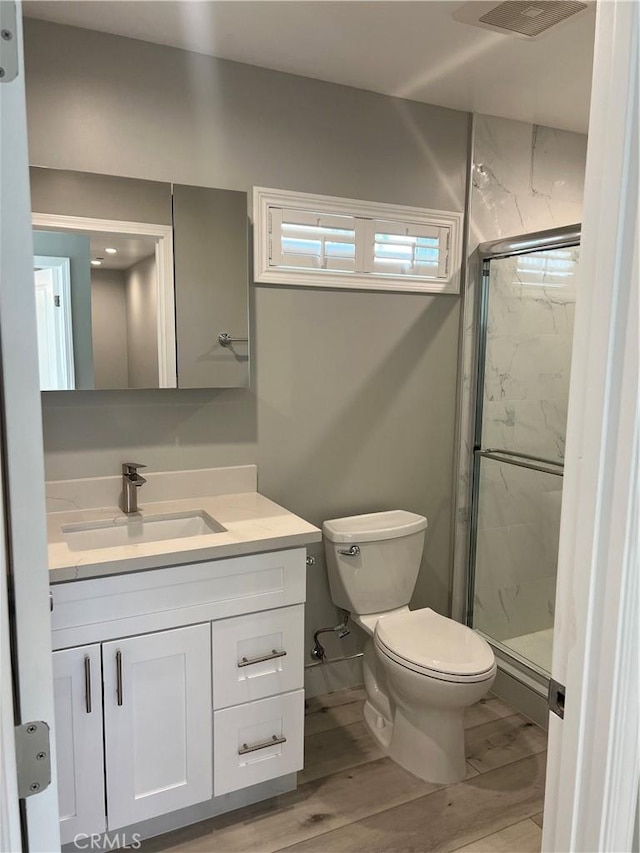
[556, 698]
[33, 758]
[8, 42]
[56, 300]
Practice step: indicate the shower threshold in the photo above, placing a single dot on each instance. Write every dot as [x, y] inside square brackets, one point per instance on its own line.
[536, 647]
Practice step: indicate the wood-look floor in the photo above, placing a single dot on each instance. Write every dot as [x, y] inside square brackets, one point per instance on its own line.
[351, 798]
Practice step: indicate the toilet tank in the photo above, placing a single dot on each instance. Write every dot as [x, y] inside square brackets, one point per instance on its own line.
[381, 572]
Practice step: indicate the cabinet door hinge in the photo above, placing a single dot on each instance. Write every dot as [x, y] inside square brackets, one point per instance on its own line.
[33, 758]
[8, 42]
[556, 698]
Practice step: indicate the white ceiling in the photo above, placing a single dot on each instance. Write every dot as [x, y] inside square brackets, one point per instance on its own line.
[129, 250]
[409, 49]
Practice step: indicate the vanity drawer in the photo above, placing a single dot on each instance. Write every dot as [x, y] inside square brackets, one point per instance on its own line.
[257, 655]
[257, 741]
[97, 609]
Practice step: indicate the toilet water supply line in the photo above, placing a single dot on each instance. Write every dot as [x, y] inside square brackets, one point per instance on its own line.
[318, 653]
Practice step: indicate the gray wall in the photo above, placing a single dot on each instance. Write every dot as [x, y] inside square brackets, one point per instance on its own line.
[98, 196]
[142, 324]
[109, 328]
[352, 401]
[75, 247]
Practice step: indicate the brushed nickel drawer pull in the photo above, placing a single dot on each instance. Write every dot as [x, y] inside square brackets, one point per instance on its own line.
[272, 742]
[87, 683]
[249, 661]
[119, 677]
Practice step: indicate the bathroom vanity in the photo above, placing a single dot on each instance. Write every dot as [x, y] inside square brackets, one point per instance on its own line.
[178, 662]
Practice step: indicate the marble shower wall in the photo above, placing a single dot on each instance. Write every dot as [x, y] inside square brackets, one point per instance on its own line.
[525, 178]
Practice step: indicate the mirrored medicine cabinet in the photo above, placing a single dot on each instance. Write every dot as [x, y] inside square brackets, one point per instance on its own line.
[139, 284]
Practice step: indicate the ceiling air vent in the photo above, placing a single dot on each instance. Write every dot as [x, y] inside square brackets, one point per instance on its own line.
[529, 18]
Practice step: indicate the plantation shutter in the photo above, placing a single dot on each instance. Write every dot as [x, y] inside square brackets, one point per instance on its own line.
[308, 240]
[407, 249]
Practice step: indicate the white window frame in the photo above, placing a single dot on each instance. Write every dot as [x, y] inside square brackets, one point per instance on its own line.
[265, 199]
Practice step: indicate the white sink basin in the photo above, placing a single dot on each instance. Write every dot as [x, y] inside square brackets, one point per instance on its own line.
[134, 530]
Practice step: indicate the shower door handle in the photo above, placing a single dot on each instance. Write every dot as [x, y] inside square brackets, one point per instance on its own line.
[522, 460]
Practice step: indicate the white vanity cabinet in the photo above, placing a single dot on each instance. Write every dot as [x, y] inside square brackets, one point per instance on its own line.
[198, 670]
[77, 686]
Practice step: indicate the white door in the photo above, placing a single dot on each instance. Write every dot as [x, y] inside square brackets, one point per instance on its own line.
[52, 277]
[22, 453]
[158, 723]
[77, 686]
[594, 751]
[45, 313]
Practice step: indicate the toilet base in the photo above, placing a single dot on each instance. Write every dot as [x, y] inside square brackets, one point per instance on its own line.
[440, 760]
[437, 757]
[379, 727]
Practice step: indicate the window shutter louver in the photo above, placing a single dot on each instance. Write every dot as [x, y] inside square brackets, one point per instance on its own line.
[407, 249]
[311, 240]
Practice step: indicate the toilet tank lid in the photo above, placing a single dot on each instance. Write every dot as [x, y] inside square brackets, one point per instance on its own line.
[374, 526]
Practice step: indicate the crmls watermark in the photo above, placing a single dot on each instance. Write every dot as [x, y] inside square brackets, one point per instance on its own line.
[115, 841]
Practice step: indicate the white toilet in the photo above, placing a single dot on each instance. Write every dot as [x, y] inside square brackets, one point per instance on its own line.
[421, 670]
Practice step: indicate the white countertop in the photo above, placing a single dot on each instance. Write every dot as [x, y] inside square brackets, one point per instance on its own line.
[253, 524]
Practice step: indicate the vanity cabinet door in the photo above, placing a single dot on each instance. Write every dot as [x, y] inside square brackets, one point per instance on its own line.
[158, 718]
[211, 258]
[77, 685]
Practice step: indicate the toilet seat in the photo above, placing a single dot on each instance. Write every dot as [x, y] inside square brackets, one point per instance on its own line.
[434, 646]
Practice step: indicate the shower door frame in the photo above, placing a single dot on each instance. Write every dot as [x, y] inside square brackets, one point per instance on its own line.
[556, 238]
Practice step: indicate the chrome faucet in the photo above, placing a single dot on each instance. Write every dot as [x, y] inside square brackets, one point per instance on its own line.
[131, 482]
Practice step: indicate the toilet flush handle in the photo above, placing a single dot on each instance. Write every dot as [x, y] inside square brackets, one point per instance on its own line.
[353, 551]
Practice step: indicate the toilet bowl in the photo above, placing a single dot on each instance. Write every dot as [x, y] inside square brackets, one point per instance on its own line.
[434, 668]
[421, 669]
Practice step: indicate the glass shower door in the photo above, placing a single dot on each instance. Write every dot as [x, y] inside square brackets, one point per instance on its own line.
[525, 360]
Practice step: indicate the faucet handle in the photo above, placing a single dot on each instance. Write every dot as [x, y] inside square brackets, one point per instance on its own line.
[131, 467]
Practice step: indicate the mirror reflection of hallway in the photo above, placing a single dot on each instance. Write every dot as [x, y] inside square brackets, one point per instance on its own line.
[99, 325]
[124, 312]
